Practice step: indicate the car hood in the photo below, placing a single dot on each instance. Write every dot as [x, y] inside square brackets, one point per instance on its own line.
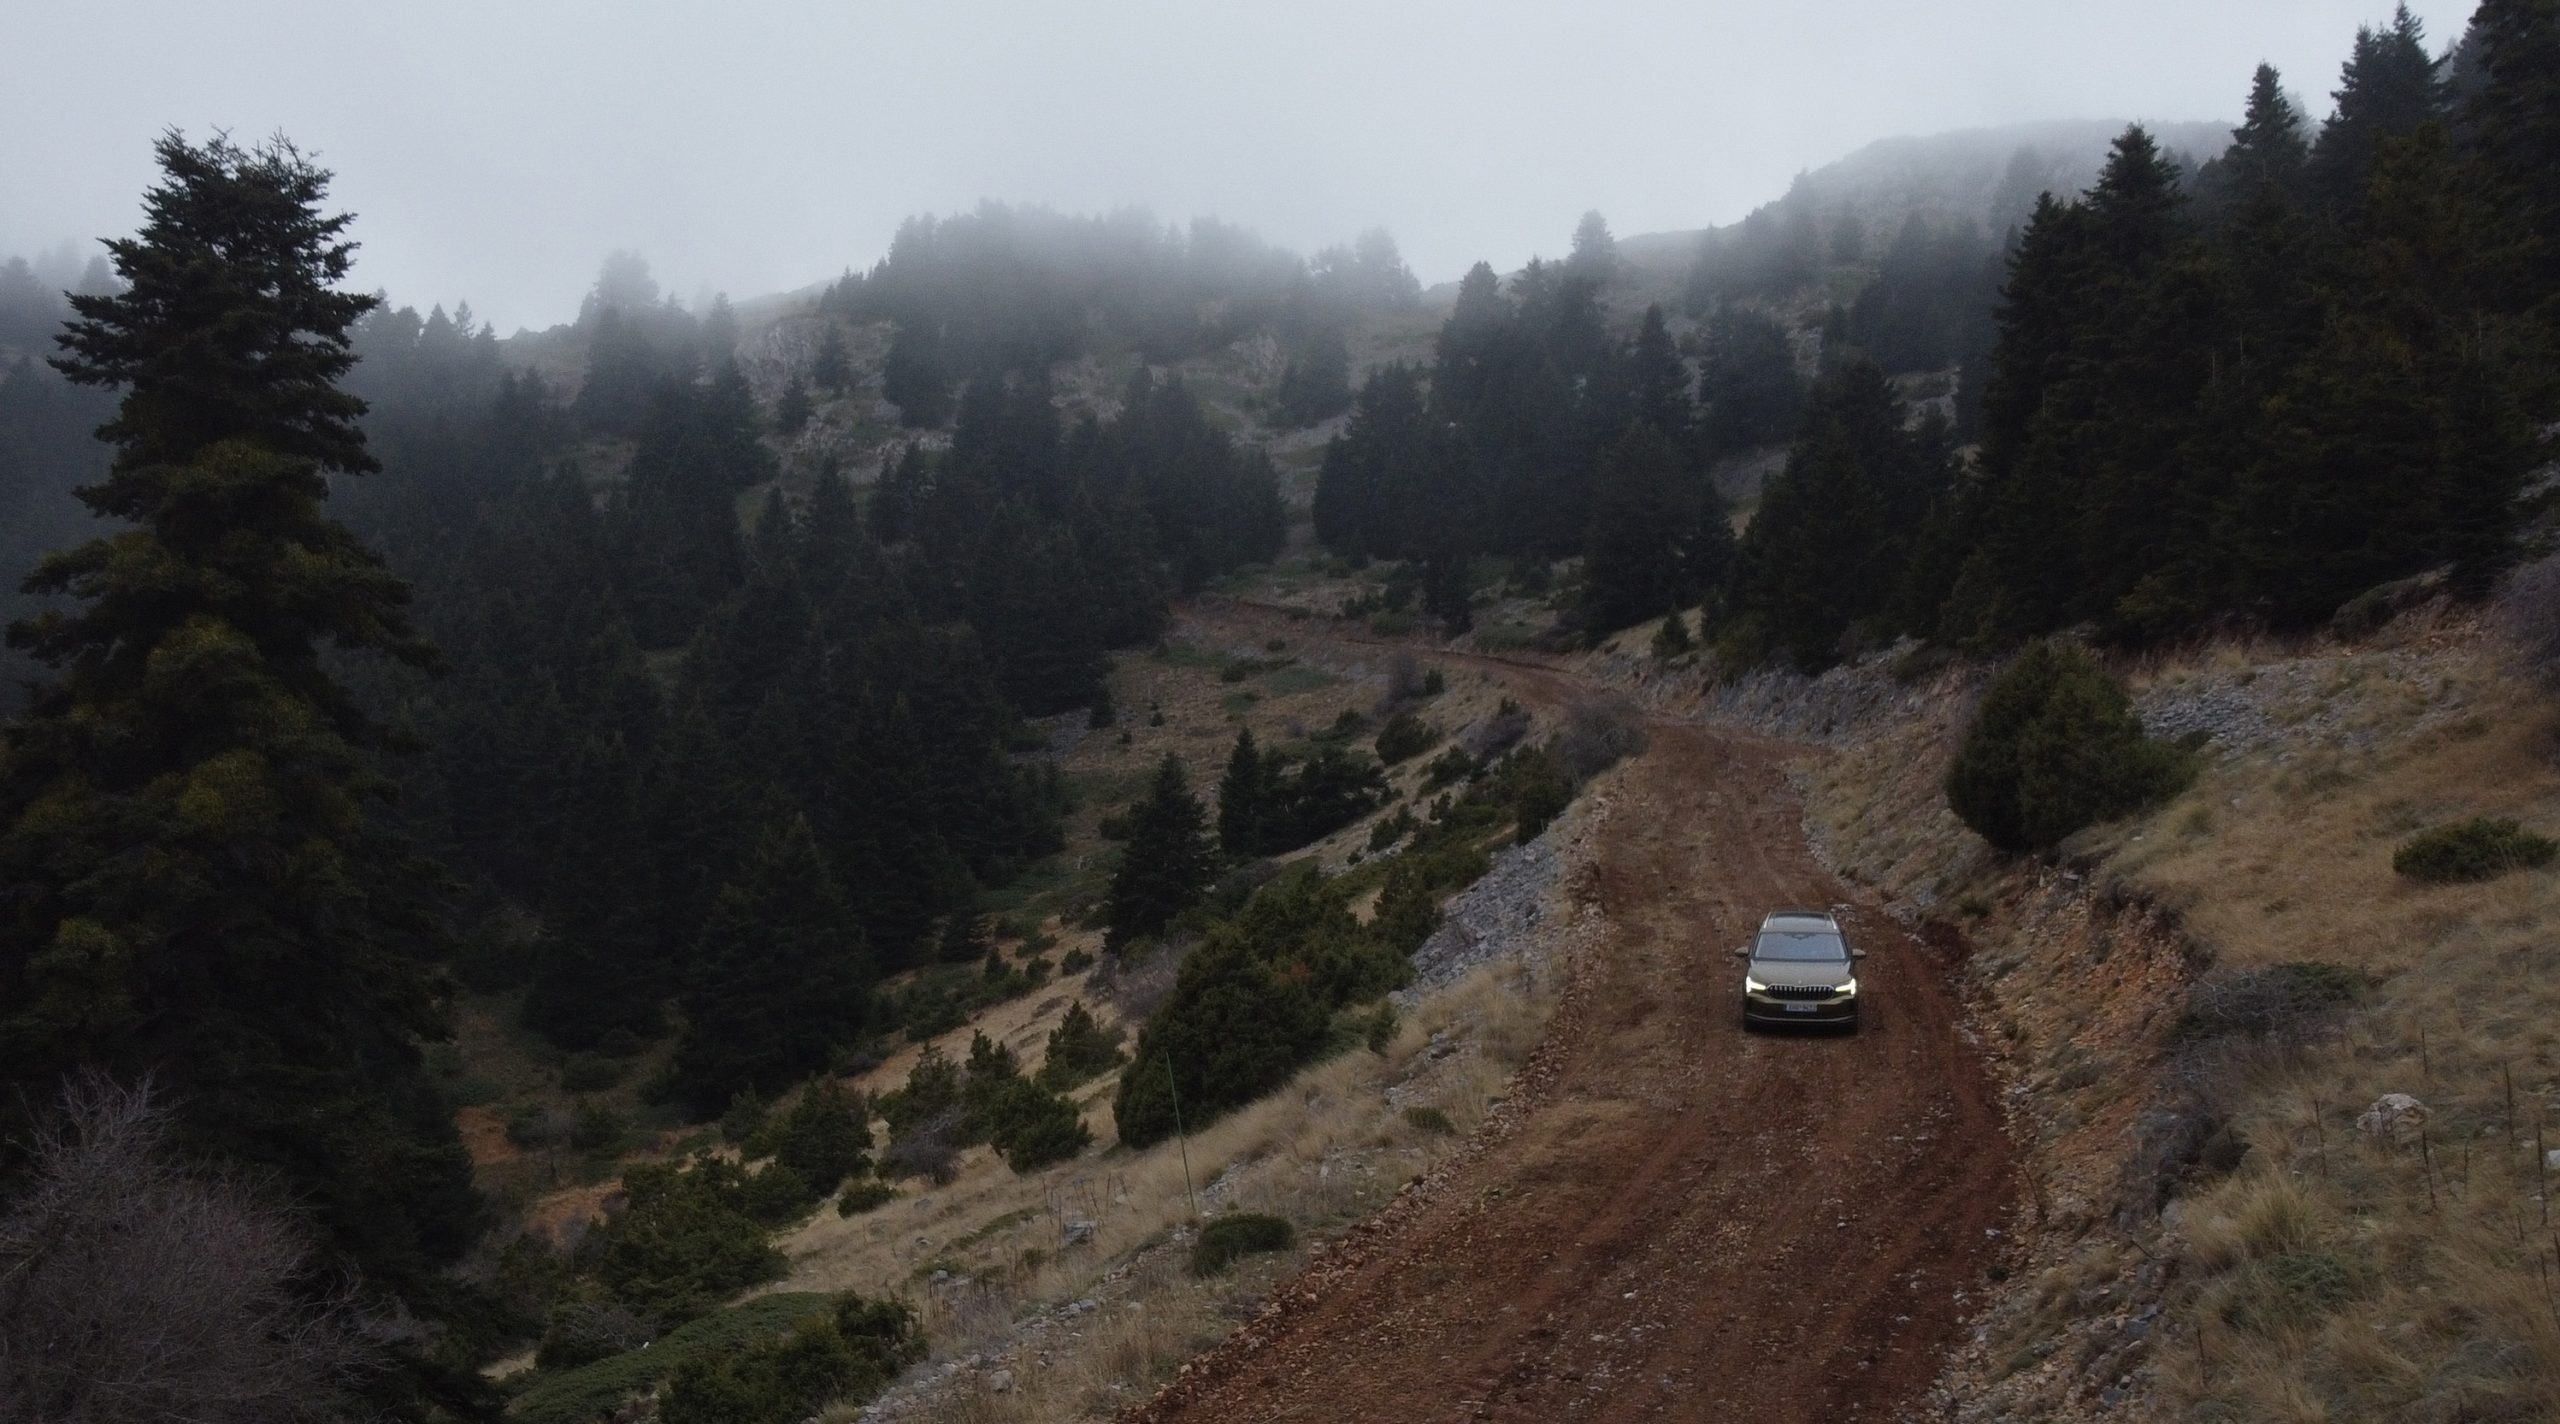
[1797, 973]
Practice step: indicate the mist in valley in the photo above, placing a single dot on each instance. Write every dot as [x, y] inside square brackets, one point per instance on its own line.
[693, 699]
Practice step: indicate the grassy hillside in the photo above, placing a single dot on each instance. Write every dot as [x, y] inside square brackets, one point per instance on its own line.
[2207, 1014]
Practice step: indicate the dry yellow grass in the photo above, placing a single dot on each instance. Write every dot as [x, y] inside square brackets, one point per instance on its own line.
[1324, 1152]
[2332, 1276]
[2340, 1275]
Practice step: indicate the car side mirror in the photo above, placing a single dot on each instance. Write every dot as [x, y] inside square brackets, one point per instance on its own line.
[1857, 954]
[1742, 951]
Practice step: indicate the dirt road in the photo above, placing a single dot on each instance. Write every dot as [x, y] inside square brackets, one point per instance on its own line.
[1683, 1221]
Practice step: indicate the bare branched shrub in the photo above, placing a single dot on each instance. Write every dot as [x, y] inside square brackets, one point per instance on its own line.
[2237, 1023]
[930, 1149]
[1404, 679]
[582, 1332]
[1598, 734]
[2285, 1004]
[132, 1288]
[1138, 985]
[1496, 734]
[2529, 610]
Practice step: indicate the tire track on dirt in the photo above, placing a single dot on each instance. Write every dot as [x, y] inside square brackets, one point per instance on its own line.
[1684, 1221]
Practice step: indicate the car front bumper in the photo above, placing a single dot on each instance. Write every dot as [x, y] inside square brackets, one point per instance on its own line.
[1772, 1010]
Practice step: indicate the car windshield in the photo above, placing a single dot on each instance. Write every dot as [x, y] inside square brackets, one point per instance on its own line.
[1799, 945]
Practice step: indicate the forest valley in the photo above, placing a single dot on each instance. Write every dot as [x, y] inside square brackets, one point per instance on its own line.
[689, 682]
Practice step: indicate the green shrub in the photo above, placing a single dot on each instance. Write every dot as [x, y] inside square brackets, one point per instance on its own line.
[1253, 1004]
[1075, 961]
[1430, 1120]
[1080, 1050]
[2477, 849]
[596, 1127]
[587, 1073]
[1539, 790]
[744, 1119]
[1448, 768]
[1405, 737]
[686, 1239]
[859, 1197]
[849, 1353]
[779, 1196]
[531, 1126]
[1031, 1127]
[591, 1392]
[1230, 1238]
[2054, 747]
[1378, 1026]
[1391, 829]
[824, 1136]
[933, 1088]
[1408, 907]
[1028, 1125]
[581, 1332]
[1672, 639]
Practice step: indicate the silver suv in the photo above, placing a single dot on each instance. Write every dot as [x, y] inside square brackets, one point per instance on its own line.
[1800, 970]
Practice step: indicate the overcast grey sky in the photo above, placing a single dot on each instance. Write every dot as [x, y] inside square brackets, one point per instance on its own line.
[497, 151]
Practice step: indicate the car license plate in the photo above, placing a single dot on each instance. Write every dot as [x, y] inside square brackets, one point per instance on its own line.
[1802, 1008]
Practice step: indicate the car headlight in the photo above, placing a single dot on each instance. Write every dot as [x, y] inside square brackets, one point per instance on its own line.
[1753, 986]
[1848, 990]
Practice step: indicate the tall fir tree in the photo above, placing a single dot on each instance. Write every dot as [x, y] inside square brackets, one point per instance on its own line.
[1167, 862]
[201, 884]
[2387, 89]
[791, 413]
[1646, 501]
[779, 978]
[2512, 127]
[1244, 800]
[831, 370]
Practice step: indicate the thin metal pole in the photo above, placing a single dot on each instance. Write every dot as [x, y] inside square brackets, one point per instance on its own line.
[1180, 1136]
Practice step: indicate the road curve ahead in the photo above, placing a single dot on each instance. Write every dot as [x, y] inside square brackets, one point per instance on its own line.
[1686, 1221]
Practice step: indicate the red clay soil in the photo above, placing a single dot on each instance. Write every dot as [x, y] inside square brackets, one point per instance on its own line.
[1678, 1220]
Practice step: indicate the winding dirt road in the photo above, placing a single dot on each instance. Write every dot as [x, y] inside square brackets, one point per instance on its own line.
[1680, 1220]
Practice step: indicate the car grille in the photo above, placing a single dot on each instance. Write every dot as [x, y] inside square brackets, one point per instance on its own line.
[1802, 991]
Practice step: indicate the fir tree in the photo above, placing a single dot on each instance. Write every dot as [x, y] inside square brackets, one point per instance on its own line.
[779, 978]
[832, 369]
[1595, 251]
[1645, 503]
[1079, 1050]
[2268, 147]
[2387, 89]
[1316, 384]
[2512, 125]
[1813, 561]
[201, 888]
[824, 1136]
[1657, 381]
[1166, 864]
[1748, 389]
[1244, 800]
[915, 378]
[791, 413]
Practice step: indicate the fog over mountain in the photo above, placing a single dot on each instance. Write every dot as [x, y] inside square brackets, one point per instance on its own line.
[496, 153]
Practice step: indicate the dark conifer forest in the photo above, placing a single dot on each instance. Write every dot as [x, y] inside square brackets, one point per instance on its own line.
[363, 664]
[2239, 395]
